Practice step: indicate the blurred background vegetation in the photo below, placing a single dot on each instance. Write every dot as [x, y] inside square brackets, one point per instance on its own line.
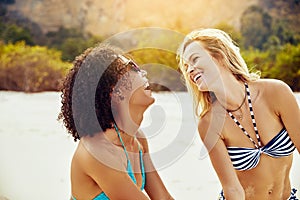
[33, 61]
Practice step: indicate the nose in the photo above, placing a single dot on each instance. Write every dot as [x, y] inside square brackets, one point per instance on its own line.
[144, 73]
[190, 69]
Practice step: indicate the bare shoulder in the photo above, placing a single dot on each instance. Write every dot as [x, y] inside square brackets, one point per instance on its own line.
[82, 158]
[81, 153]
[275, 92]
[210, 126]
[99, 149]
[203, 124]
[272, 86]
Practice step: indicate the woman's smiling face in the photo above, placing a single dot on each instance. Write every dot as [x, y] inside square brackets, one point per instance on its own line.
[201, 67]
[133, 87]
[141, 93]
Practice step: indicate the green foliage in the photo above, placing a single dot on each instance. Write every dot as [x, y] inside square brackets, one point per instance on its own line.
[14, 27]
[269, 38]
[71, 42]
[287, 66]
[271, 24]
[234, 34]
[284, 64]
[257, 60]
[157, 55]
[56, 38]
[2, 28]
[11, 33]
[284, 11]
[71, 47]
[286, 34]
[256, 27]
[161, 67]
[30, 69]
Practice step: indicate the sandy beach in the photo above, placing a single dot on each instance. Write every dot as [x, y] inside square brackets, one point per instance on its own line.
[36, 151]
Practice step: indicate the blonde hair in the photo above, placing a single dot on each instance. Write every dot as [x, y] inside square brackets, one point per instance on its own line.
[220, 46]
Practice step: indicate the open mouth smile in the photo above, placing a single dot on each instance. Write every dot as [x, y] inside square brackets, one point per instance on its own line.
[196, 77]
[147, 86]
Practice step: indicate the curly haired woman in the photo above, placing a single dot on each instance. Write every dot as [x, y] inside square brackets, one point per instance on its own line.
[104, 97]
[250, 126]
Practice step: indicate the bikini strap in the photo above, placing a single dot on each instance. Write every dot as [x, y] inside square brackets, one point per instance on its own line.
[119, 135]
[129, 167]
[253, 120]
[142, 167]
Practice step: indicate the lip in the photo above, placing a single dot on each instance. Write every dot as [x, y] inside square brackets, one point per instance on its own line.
[196, 77]
[147, 86]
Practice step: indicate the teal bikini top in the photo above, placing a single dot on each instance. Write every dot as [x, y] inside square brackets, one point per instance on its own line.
[102, 195]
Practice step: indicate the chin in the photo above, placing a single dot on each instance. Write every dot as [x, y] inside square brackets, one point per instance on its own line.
[150, 100]
[202, 88]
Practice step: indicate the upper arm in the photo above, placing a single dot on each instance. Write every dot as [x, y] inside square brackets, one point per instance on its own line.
[210, 134]
[223, 165]
[286, 106]
[154, 186]
[116, 184]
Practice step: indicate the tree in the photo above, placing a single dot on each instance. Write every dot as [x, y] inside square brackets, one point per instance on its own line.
[284, 32]
[234, 34]
[30, 69]
[13, 33]
[71, 42]
[256, 27]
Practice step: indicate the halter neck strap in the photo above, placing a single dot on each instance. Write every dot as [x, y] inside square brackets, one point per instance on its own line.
[129, 166]
[258, 145]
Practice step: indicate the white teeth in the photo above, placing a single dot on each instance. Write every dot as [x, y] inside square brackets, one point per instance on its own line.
[146, 85]
[197, 77]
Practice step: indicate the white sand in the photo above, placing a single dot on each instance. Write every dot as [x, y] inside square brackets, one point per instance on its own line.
[35, 151]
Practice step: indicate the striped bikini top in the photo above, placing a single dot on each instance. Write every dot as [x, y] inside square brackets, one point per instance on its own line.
[248, 158]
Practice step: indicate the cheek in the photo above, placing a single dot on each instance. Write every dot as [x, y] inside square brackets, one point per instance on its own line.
[137, 96]
[140, 97]
[212, 68]
[137, 82]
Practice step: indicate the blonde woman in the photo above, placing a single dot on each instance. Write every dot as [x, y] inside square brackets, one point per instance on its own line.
[250, 126]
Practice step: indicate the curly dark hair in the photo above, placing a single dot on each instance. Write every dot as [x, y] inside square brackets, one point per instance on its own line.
[87, 88]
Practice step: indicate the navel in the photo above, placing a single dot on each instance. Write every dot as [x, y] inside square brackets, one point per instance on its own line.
[270, 191]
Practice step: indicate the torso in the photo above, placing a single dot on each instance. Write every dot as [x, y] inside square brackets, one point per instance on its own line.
[111, 153]
[270, 178]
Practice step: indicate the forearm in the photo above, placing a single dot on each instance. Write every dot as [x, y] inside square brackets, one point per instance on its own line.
[158, 193]
[155, 188]
[234, 193]
[162, 197]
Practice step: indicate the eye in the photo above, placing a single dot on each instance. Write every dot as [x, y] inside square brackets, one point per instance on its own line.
[194, 59]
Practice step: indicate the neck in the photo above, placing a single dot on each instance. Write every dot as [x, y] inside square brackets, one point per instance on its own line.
[128, 123]
[232, 95]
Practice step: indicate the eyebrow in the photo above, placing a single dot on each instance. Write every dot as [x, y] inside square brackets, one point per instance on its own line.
[188, 60]
[193, 55]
